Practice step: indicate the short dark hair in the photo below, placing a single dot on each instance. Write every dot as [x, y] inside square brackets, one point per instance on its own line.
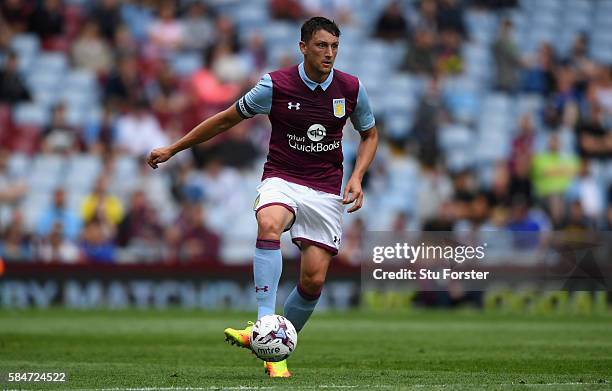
[314, 24]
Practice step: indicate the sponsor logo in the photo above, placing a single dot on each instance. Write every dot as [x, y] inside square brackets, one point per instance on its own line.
[292, 105]
[316, 132]
[339, 107]
[268, 350]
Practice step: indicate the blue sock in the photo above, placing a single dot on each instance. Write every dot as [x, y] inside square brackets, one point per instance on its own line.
[267, 268]
[299, 306]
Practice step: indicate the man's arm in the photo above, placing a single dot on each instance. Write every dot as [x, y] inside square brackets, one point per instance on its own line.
[365, 155]
[206, 130]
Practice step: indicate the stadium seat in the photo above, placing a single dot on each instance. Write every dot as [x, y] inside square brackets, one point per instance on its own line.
[51, 62]
[25, 45]
[30, 114]
[46, 173]
[185, 64]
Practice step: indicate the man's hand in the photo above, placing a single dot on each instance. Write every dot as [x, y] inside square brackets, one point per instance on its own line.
[159, 155]
[353, 188]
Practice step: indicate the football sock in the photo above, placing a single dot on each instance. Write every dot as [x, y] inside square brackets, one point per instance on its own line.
[267, 268]
[299, 306]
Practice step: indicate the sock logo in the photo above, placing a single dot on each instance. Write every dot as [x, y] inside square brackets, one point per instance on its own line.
[264, 288]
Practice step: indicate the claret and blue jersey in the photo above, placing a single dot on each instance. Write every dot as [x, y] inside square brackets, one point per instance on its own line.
[307, 120]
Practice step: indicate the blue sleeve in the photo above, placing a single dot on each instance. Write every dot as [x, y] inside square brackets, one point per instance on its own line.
[362, 118]
[258, 100]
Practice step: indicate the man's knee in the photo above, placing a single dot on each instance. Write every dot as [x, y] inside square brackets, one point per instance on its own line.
[312, 283]
[269, 227]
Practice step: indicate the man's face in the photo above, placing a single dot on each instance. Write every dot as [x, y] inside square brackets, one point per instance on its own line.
[320, 51]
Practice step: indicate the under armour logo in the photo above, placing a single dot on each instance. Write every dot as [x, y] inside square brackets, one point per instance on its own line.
[265, 288]
[292, 105]
[336, 239]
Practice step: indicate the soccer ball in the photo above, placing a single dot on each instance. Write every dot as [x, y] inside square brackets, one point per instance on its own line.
[273, 338]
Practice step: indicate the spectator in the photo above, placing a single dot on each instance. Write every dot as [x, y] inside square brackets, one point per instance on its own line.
[166, 95]
[97, 244]
[430, 114]
[56, 247]
[16, 14]
[99, 205]
[166, 34]
[594, 139]
[99, 134]
[539, 77]
[449, 59]
[552, 171]
[190, 239]
[59, 136]
[107, 15]
[421, 54]
[47, 21]
[427, 16]
[586, 189]
[391, 25]
[124, 44]
[603, 88]
[91, 52]
[12, 187]
[12, 87]
[522, 145]
[449, 17]
[124, 84]
[138, 131]
[16, 245]
[58, 213]
[140, 230]
[198, 27]
[507, 59]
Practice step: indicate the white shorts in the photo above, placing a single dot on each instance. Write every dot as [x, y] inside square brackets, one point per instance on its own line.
[317, 216]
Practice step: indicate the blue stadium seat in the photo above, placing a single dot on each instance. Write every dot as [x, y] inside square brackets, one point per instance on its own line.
[51, 62]
[184, 64]
[25, 45]
[30, 114]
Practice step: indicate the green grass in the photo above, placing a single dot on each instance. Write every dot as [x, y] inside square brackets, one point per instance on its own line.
[418, 350]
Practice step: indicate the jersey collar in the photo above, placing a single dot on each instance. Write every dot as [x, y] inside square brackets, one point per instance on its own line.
[313, 84]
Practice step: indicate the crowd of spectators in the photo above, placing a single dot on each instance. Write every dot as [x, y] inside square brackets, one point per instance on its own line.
[145, 102]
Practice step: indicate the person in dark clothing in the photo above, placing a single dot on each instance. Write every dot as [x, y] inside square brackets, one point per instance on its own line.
[12, 87]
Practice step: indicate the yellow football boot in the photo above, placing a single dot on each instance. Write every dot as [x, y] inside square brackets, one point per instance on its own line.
[241, 338]
[277, 369]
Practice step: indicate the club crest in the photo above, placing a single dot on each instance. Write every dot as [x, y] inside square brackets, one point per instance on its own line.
[339, 108]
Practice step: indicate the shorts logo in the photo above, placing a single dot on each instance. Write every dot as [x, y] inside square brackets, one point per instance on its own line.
[256, 203]
[316, 132]
[339, 108]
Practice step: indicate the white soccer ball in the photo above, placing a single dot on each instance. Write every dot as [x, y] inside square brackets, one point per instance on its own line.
[273, 338]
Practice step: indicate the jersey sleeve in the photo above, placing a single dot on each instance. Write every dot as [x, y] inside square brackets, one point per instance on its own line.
[362, 117]
[258, 100]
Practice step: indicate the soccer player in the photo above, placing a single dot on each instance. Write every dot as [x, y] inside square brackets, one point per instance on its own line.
[308, 105]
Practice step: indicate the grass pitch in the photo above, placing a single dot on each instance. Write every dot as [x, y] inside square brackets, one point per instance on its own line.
[415, 351]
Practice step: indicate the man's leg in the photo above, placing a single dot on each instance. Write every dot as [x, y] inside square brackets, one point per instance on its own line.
[267, 262]
[267, 266]
[304, 297]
